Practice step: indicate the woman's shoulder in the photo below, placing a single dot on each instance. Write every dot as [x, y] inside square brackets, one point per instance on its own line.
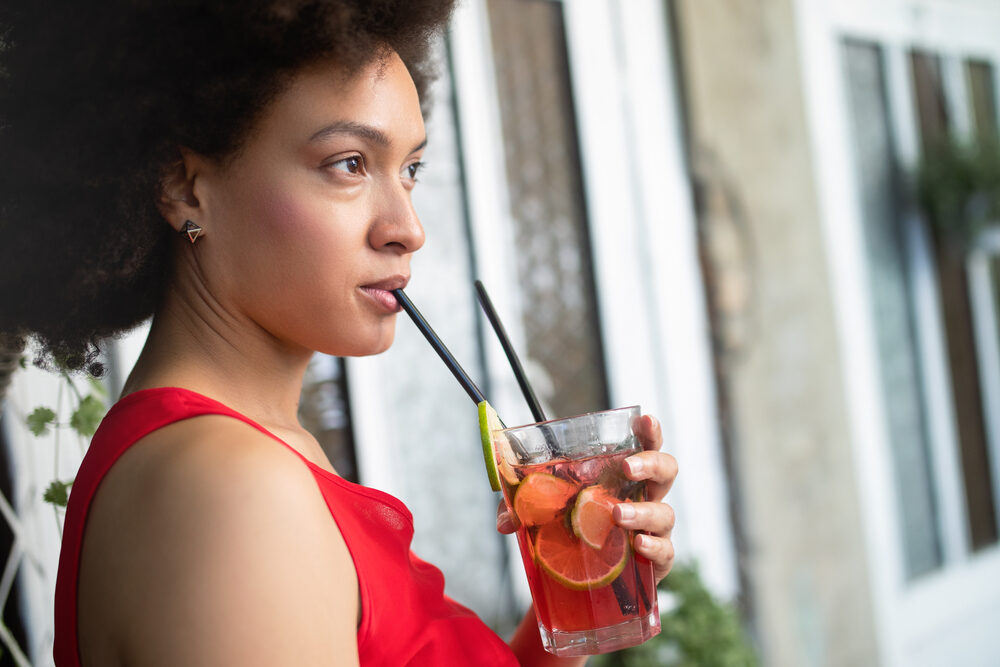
[219, 525]
[214, 452]
[208, 476]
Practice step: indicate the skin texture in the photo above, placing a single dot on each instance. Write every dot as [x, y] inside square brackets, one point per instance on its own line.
[191, 528]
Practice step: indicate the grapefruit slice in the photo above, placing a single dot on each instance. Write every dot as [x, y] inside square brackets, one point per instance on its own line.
[496, 450]
[542, 497]
[591, 516]
[573, 565]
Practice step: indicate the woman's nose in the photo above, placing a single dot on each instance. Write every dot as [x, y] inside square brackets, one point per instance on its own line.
[396, 224]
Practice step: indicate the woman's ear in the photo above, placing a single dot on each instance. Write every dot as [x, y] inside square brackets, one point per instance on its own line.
[177, 202]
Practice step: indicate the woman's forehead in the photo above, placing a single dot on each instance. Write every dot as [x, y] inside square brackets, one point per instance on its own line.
[322, 99]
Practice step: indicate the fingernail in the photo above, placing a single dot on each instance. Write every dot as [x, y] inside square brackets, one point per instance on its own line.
[634, 465]
[504, 523]
[643, 542]
[626, 511]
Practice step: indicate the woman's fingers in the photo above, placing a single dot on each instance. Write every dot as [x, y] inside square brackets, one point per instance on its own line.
[647, 430]
[653, 523]
[659, 550]
[653, 517]
[657, 469]
[505, 523]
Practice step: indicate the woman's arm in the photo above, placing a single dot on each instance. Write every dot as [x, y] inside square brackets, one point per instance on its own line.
[243, 564]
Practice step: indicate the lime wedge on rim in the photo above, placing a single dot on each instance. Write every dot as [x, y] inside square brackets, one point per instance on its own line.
[496, 451]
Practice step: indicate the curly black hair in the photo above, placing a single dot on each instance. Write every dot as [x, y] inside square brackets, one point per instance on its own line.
[97, 98]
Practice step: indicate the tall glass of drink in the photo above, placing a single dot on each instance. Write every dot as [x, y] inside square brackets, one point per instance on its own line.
[561, 480]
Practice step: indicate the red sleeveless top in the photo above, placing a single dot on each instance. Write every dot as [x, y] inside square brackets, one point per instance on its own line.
[406, 619]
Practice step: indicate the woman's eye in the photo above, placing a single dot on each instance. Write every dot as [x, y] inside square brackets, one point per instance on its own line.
[352, 165]
[413, 169]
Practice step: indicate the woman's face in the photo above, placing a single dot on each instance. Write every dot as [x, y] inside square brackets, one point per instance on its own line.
[311, 224]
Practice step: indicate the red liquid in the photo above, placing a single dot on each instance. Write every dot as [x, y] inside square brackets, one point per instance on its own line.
[559, 607]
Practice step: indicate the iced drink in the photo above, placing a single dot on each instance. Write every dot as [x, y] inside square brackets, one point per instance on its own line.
[561, 479]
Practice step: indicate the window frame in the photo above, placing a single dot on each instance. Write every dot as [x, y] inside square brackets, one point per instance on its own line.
[963, 591]
[643, 241]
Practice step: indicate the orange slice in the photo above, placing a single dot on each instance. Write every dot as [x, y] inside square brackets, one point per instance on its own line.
[591, 517]
[577, 566]
[541, 497]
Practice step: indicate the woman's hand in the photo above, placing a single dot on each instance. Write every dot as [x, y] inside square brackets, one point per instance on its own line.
[653, 520]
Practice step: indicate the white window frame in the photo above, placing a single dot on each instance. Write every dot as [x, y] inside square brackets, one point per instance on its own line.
[644, 244]
[653, 319]
[948, 616]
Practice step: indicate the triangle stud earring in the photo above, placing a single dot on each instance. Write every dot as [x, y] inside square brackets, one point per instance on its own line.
[191, 229]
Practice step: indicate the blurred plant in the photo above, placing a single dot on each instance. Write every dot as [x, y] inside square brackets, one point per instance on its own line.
[958, 187]
[697, 631]
[87, 411]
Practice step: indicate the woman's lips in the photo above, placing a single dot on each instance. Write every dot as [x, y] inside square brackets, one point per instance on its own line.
[381, 293]
[384, 298]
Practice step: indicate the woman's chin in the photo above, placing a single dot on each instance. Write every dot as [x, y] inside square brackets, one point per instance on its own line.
[379, 349]
[364, 346]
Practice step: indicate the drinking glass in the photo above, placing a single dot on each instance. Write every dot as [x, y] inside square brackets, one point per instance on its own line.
[561, 480]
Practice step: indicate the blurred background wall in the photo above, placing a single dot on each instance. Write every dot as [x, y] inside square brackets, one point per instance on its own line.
[798, 514]
[711, 209]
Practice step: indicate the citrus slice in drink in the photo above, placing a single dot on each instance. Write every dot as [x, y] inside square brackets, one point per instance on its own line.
[542, 497]
[591, 516]
[573, 565]
[496, 450]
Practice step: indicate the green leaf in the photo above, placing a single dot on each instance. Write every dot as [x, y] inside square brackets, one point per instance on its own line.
[38, 421]
[22, 361]
[57, 493]
[97, 386]
[87, 416]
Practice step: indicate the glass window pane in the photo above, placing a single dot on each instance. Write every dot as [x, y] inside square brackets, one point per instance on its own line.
[932, 109]
[956, 307]
[878, 180]
[982, 97]
[323, 411]
[543, 172]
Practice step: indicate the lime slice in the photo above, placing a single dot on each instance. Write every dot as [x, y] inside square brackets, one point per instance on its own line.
[542, 497]
[591, 516]
[573, 565]
[496, 451]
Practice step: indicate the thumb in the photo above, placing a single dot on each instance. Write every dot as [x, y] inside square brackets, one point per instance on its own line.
[505, 523]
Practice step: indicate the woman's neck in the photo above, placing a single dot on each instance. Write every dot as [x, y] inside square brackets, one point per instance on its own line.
[197, 346]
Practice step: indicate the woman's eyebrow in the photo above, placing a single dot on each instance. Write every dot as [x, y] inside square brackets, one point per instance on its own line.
[372, 134]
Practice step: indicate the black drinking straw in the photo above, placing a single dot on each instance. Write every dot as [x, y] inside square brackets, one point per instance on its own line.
[626, 601]
[446, 356]
[508, 349]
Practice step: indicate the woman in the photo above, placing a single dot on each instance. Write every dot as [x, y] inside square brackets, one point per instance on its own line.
[242, 173]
